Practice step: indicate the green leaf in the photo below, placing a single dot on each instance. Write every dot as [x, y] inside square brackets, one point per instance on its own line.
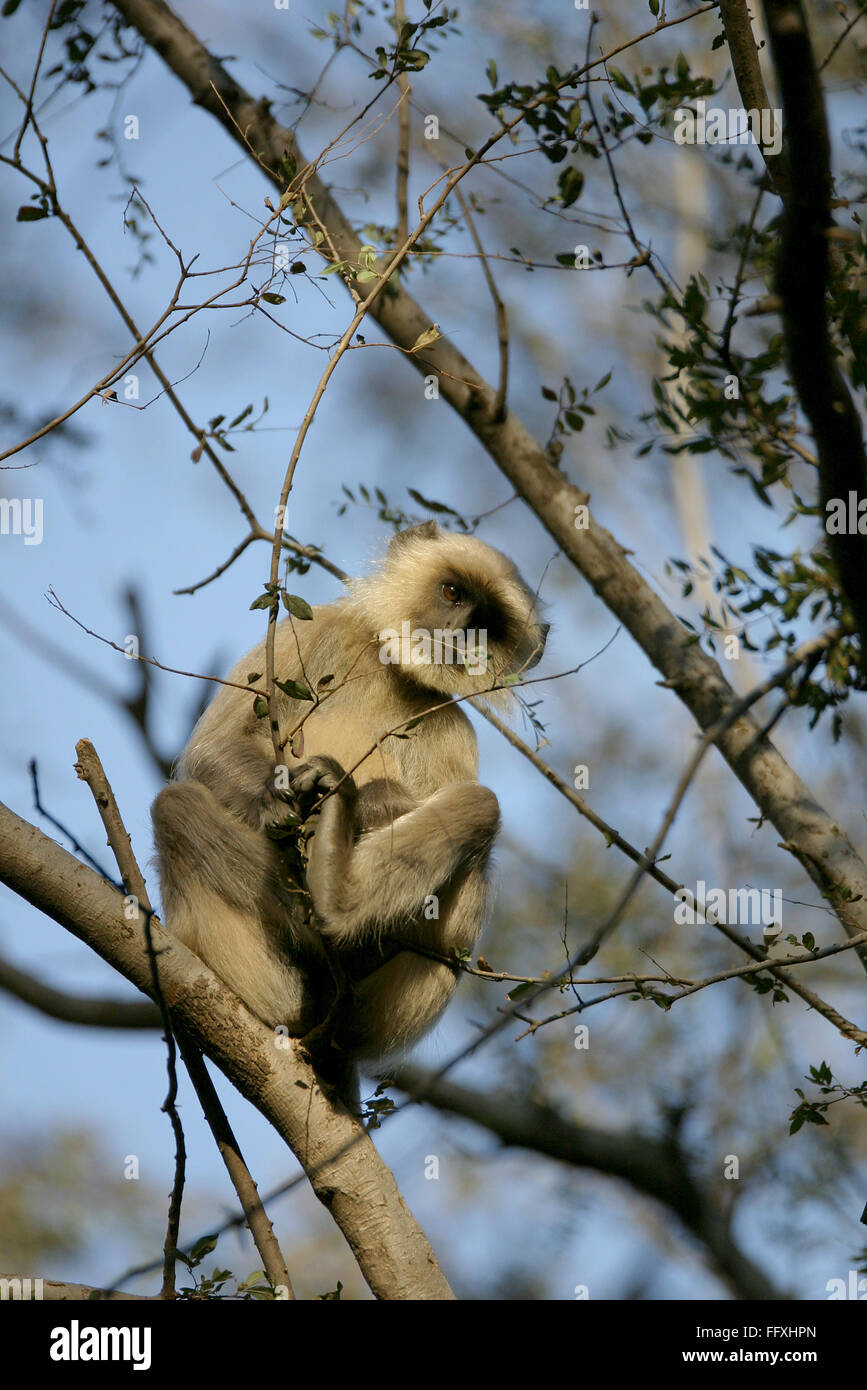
[428, 502]
[202, 1248]
[519, 990]
[570, 183]
[10, 7]
[266, 600]
[296, 690]
[260, 707]
[274, 298]
[30, 214]
[298, 607]
[248, 410]
[654, 8]
[620, 80]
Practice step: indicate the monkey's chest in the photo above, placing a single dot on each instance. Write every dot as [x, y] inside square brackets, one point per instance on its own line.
[342, 735]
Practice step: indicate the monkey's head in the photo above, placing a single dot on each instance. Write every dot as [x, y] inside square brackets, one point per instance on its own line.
[451, 613]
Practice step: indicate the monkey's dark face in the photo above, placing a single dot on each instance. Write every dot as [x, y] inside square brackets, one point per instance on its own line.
[500, 612]
[453, 613]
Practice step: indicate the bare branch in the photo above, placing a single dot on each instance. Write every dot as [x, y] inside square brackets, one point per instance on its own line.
[92, 1011]
[499, 308]
[91, 771]
[656, 1167]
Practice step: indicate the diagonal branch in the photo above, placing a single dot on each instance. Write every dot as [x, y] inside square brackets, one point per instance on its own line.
[751, 84]
[344, 1169]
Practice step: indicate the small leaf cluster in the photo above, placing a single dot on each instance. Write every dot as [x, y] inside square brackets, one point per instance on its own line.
[394, 515]
[573, 407]
[812, 1112]
[405, 55]
[218, 430]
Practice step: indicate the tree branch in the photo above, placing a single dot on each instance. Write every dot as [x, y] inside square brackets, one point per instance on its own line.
[91, 770]
[656, 1167]
[751, 84]
[803, 280]
[68, 1008]
[344, 1169]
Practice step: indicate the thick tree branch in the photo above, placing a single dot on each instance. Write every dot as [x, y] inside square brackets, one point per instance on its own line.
[344, 1169]
[803, 278]
[656, 1167]
[805, 827]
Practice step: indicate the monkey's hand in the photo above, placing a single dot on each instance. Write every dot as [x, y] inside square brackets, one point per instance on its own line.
[277, 811]
[312, 781]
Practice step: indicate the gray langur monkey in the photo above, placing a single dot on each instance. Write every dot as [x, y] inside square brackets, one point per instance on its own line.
[402, 830]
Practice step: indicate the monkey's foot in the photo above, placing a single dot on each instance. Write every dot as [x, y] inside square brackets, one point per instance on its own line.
[317, 778]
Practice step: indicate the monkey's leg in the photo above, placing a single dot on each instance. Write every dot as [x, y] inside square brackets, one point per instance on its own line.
[222, 898]
[401, 1000]
[386, 876]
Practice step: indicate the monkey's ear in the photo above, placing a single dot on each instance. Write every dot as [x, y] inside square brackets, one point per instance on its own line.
[427, 531]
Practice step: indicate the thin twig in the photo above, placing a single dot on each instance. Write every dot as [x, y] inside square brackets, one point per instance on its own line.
[499, 407]
[256, 1216]
[403, 116]
[90, 770]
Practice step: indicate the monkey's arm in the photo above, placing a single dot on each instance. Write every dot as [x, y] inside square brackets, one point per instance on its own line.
[233, 756]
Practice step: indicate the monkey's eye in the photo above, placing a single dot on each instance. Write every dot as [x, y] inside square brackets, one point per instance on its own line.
[451, 592]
